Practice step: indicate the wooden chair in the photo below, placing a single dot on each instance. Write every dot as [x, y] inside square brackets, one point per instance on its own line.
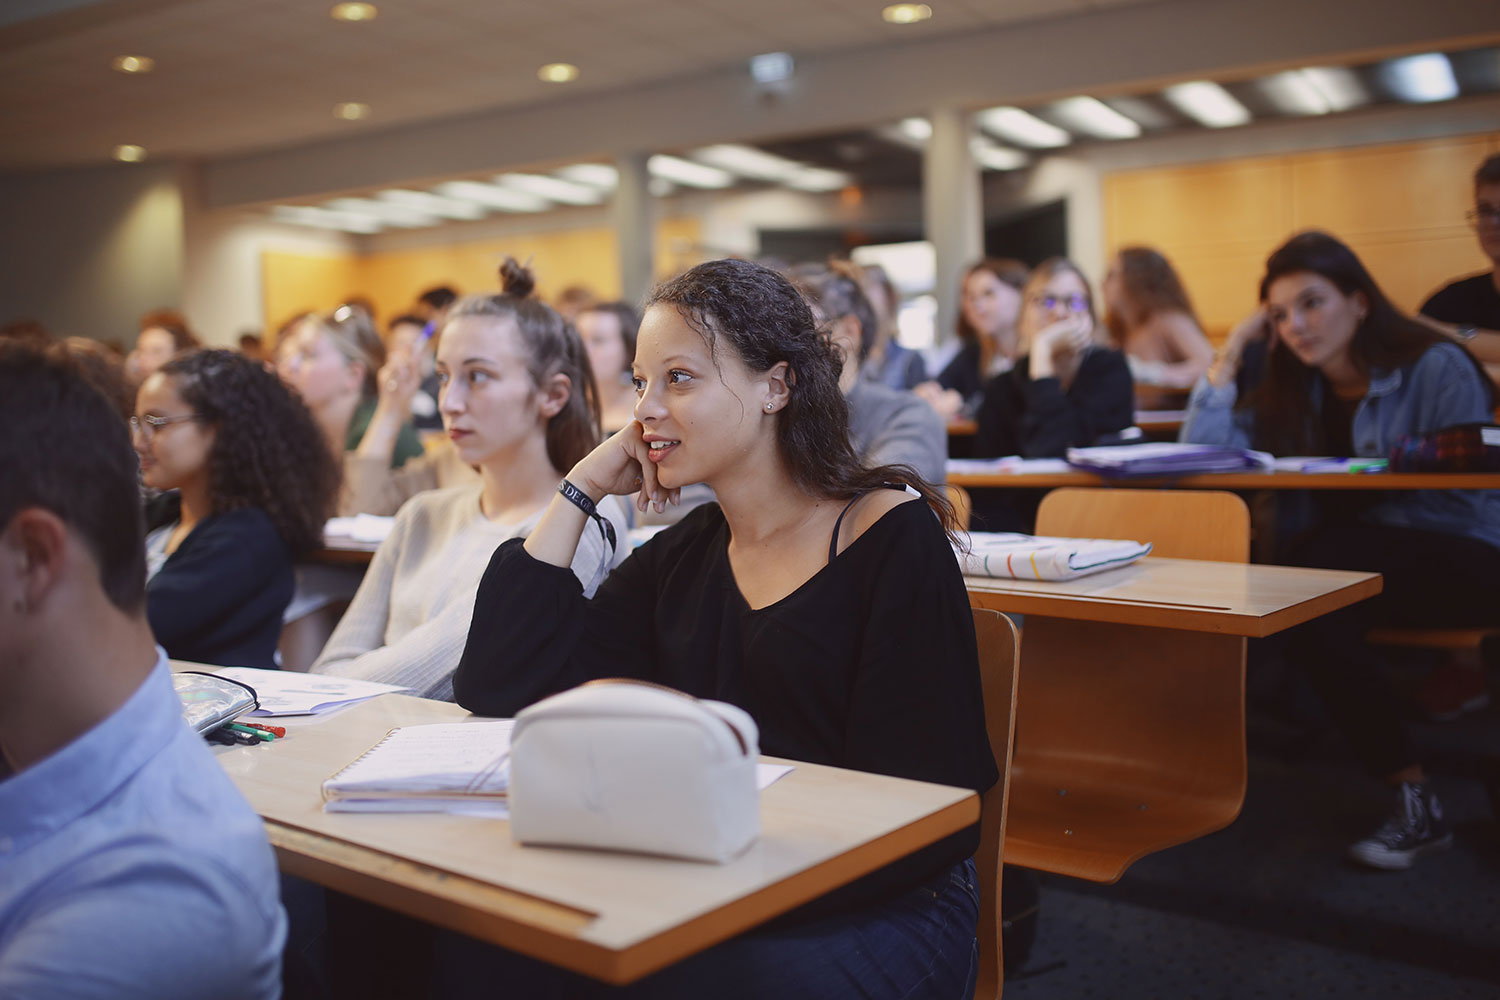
[1120, 756]
[998, 643]
[963, 504]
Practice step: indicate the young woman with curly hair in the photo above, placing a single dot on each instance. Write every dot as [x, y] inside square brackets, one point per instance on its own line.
[518, 402]
[250, 483]
[815, 594]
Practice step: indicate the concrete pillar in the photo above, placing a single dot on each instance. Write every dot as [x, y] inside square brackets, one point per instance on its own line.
[952, 210]
[635, 228]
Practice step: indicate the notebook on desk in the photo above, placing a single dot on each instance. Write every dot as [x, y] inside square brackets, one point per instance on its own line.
[459, 767]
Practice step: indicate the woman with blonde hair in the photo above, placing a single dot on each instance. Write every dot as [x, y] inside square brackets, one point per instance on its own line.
[332, 361]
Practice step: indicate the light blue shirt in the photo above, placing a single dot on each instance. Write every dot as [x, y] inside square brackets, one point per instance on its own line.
[1440, 389]
[130, 866]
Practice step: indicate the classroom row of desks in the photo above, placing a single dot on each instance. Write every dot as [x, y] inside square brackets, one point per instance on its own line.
[617, 917]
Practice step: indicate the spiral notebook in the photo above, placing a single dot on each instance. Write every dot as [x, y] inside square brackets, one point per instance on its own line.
[461, 767]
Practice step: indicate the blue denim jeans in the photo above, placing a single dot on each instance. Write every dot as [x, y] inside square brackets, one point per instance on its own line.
[918, 946]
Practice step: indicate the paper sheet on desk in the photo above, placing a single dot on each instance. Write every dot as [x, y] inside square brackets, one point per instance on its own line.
[1035, 557]
[359, 528]
[766, 775]
[285, 692]
[1010, 463]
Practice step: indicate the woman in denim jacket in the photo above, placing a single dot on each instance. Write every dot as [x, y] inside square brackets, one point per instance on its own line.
[1346, 374]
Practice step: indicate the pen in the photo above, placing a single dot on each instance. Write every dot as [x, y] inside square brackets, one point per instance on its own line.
[246, 729]
[276, 731]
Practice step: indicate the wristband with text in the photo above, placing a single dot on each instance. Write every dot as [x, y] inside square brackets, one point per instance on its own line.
[582, 501]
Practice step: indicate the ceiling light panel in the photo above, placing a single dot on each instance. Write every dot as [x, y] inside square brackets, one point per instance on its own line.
[1015, 125]
[916, 129]
[558, 73]
[598, 175]
[433, 204]
[906, 13]
[1147, 113]
[818, 180]
[1341, 87]
[353, 12]
[134, 64]
[388, 213]
[323, 218]
[992, 157]
[1294, 94]
[688, 173]
[1421, 79]
[1208, 104]
[1093, 117]
[490, 196]
[747, 161]
[554, 188]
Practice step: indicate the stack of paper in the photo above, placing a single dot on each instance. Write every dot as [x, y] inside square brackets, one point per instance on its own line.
[461, 767]
[1166, 459]
[1036, 557]
[451, 767]
[286, 692]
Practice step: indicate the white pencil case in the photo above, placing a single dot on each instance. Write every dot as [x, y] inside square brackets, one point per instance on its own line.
[629, 766]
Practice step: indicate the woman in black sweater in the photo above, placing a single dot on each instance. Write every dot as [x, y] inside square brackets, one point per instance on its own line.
[820, 596]
[250, 483]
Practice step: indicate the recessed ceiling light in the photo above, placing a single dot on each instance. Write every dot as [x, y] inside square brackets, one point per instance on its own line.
[130, 154]
[504, 199]
[1421, 79]
[1295, 94]
[354, 12]
[1015, 125]
[599, 175]
[1338, 85]
[906, 13]
[554, 188]
[134, 64]
[771, 67]
[351, 111]
[1208, 104]
[1093, 117]
[916, 129]
[323, 218]
[558, 73]
[993, 157]
[386, 212]
[687, 172]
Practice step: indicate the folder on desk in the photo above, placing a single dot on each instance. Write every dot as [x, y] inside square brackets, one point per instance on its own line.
[1165, 459]
[1038, 557]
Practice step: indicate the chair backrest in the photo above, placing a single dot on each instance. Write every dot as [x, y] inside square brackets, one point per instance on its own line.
[1179, 524]
[963, 504]
[998, 646]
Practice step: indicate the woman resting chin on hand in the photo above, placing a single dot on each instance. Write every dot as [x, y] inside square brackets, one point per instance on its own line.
[816, 594]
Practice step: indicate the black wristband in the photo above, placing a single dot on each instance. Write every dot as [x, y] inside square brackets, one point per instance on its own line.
[581, 500]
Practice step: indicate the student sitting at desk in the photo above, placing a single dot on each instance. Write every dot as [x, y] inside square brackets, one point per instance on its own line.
[886, 426]
[518, 402]
[989, 309]
[1346, 374]
[251, 487]
[130, 867]
[1150, 318]
[816, 593]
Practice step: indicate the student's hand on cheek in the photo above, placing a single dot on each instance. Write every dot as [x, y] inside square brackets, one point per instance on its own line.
[620, 466]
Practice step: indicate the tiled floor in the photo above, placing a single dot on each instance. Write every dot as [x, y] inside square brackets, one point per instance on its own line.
[1269, 908]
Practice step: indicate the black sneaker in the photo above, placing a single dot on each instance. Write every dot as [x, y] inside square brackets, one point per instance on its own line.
[1414, 828]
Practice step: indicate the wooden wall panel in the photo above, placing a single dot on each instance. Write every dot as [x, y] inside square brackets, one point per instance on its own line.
[293, 283]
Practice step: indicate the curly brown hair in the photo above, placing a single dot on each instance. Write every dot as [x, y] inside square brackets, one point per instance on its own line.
[764, 320]
[268, 451]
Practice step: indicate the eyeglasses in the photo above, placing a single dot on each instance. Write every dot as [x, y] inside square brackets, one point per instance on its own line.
[1073, 303]
[148, 425]
[1484, 213]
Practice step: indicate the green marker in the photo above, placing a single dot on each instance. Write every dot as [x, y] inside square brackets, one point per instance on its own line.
[267, 737]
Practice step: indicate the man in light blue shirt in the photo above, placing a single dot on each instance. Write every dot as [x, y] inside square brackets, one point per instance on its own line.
[129, 864]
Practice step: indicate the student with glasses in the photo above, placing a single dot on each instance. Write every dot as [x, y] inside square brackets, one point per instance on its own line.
[1469, 309]
[249, 484]
[1066, 390]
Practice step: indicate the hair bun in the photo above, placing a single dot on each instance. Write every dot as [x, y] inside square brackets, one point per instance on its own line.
[516, 279]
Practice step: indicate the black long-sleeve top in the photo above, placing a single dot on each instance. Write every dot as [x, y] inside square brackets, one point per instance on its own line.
[219, 598]
[1037, 418]
[870, 665]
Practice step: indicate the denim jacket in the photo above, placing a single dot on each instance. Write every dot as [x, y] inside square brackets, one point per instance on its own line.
[1439, 389]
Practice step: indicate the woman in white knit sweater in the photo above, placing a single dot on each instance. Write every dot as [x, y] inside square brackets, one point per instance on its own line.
[519, 403]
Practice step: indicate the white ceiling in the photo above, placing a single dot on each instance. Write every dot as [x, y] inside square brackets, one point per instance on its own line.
[234, 76]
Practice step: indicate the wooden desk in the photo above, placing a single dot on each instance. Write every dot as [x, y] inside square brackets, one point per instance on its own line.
[615, 917]
[1236, 599]
[1130, 712]
[1237, 481]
